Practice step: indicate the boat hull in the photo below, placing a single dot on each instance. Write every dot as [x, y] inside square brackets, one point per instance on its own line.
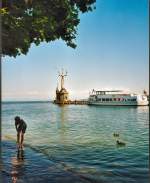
[118, 103]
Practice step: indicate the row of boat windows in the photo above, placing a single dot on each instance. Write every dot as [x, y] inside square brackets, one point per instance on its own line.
[115, 99]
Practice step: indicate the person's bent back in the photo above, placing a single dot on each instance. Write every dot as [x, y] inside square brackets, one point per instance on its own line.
[21, 129]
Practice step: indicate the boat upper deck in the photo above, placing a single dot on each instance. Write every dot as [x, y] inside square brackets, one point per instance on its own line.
[110, 92]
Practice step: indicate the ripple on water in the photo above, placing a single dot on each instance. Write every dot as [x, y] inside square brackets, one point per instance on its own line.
[80, 138]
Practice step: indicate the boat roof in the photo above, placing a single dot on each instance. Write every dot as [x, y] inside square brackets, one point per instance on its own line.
[108, 90]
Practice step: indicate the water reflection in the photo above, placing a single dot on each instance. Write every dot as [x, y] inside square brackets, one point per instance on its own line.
[142, 109]
[20, 155]
[62, 129]
[17, 165]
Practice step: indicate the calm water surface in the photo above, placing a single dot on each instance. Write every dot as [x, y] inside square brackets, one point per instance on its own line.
[80, 138]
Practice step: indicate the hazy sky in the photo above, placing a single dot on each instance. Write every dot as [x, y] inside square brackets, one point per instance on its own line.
[111, 53]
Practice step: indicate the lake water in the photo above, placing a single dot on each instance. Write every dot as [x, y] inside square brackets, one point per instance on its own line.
[80, 138]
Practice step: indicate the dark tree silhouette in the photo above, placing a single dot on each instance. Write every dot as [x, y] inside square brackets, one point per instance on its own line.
[35, 21]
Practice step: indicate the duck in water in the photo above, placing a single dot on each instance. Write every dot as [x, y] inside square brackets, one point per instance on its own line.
[120, 143]
[116, 134]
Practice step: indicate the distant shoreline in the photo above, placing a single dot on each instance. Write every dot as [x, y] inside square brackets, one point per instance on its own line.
[28, 101]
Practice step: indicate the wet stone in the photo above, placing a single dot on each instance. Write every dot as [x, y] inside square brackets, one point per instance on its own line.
[29, 166]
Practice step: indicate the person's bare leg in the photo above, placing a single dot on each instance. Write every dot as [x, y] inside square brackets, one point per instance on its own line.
[22, 139]
[18, 139]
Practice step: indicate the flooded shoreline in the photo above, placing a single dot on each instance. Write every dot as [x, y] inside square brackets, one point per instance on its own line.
[30, 166]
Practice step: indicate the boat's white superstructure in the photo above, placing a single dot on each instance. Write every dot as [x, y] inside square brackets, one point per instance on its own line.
[116, 97]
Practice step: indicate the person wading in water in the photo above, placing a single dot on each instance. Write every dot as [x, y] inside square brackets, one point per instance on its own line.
[21, 129]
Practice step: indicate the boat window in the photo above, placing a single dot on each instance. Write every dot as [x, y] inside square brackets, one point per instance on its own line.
[99, 99]
[134, 99]
[102, 93]
[103, 99]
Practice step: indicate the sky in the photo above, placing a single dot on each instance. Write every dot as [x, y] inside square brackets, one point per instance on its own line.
[112, 53]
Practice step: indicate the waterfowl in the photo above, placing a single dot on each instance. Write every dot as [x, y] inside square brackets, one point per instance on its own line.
[120, 143]
[116, 134]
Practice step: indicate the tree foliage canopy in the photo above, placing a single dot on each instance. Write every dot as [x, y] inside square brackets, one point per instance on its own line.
[33, 21]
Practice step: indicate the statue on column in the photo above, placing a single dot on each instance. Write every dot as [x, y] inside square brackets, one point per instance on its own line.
[62, 75]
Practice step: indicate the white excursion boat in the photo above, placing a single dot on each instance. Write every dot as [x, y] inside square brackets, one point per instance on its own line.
[117, 97]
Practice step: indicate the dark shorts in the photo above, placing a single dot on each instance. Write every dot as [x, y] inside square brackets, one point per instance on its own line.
[22, 128]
